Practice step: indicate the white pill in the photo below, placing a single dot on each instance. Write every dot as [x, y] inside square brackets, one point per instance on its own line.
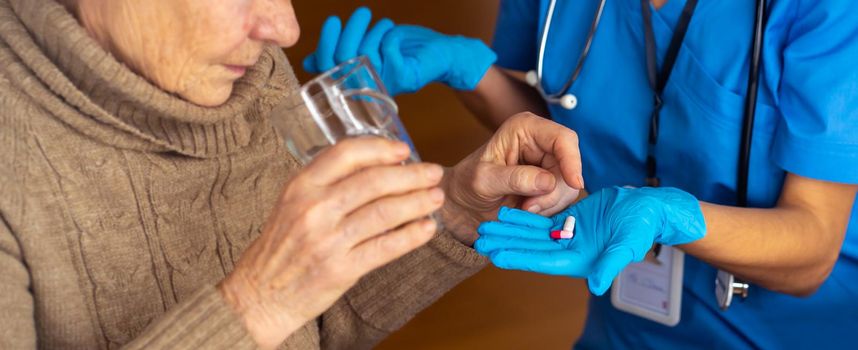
[569, 225]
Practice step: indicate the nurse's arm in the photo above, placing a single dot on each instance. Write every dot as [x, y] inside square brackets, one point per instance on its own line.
[791, 248]
[501, 94]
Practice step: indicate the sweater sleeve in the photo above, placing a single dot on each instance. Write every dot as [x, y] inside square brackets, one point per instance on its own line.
[384, 300]
[17, 323]
[203, 321]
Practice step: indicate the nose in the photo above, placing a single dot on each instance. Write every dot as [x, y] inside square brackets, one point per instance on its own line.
[275, 22]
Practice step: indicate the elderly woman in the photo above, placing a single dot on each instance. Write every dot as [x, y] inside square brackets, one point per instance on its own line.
[138, 167]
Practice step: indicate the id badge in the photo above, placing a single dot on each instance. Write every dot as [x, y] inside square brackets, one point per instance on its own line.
[652, 289]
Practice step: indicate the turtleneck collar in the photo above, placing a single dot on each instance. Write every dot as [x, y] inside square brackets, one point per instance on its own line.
[50, 57]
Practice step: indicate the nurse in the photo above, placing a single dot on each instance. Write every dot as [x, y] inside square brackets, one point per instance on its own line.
[793, 244]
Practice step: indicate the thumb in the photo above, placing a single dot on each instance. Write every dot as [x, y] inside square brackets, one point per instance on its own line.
[609, 265]
[521, 180]
[391, 49]
[541, 139]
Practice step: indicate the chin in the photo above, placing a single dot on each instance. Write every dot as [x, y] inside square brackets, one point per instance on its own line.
[208, 97]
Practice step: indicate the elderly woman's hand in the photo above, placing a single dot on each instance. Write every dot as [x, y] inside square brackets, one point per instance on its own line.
[351, 210]
[530, 162]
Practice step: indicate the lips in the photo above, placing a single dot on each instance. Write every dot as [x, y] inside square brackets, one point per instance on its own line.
[238, 70]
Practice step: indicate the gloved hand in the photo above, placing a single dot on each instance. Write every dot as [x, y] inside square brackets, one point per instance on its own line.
[338, 44]
[615, 227]
[407, 57]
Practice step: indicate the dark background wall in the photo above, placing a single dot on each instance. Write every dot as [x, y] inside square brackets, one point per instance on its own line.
[495, 309]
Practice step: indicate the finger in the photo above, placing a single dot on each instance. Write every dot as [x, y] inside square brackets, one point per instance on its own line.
[371, 45]
[391, 47]
[353, 33]
[389, 213]
[522, 180]
[378, 182]
[552, 203]
[310, 64]
[543, 137]
[523, 218]
[560, 263]
[606, 269]
[493, 228]
[328, 40]
[486, 245]
[352, 155]
[374, 253]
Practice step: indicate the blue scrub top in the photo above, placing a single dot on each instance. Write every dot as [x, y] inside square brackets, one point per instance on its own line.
[807, 124]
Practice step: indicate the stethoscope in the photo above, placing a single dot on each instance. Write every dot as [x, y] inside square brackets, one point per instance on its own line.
[563, 98]
[726, 285]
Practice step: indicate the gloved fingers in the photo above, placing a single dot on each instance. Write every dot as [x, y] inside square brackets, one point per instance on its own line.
[607, 267]
[523, 218]
[352, 35]
[328, 40]
[391, 48]
[410, 62]
[310, 64]
[418, 33]
[502, 229]
[371, 44]
[486, 245]
[561, 263]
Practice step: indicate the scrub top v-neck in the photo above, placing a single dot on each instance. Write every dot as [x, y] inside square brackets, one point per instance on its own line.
[806, 124]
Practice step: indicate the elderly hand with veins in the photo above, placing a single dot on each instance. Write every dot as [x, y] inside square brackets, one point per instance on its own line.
[530, 162]
[356, 208]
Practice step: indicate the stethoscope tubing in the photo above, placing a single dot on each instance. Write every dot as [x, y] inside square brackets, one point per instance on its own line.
[569, 101]
[536, 79]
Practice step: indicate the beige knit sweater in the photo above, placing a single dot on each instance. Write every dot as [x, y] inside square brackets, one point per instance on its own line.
[121, 206]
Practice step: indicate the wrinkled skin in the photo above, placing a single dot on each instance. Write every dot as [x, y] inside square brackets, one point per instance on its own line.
[351, 210]
[195, 49]
[355, 207]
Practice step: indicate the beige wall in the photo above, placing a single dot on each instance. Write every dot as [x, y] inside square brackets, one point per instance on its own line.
[494, 309]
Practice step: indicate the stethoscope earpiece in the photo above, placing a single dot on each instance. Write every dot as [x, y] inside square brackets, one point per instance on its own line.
[569, 101]
[532, 78]
[562, 97]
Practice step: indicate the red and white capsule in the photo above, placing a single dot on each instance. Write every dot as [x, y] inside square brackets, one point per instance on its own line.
[568, 230]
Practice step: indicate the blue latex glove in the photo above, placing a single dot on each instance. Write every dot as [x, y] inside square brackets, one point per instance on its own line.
[407, 57]
[338, 44]
[615, 227]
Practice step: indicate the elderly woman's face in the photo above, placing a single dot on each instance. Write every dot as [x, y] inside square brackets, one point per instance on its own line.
[196, 49]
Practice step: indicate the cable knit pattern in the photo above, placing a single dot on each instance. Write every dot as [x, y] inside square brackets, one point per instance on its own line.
[123, 206]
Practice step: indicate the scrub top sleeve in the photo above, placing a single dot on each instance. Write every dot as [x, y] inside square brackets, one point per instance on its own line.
[515, 34]
[818, 96]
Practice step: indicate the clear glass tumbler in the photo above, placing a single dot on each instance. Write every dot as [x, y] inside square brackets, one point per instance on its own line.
[348, 101]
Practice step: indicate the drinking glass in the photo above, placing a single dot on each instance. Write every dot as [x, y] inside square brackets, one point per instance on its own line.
[348, 101]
